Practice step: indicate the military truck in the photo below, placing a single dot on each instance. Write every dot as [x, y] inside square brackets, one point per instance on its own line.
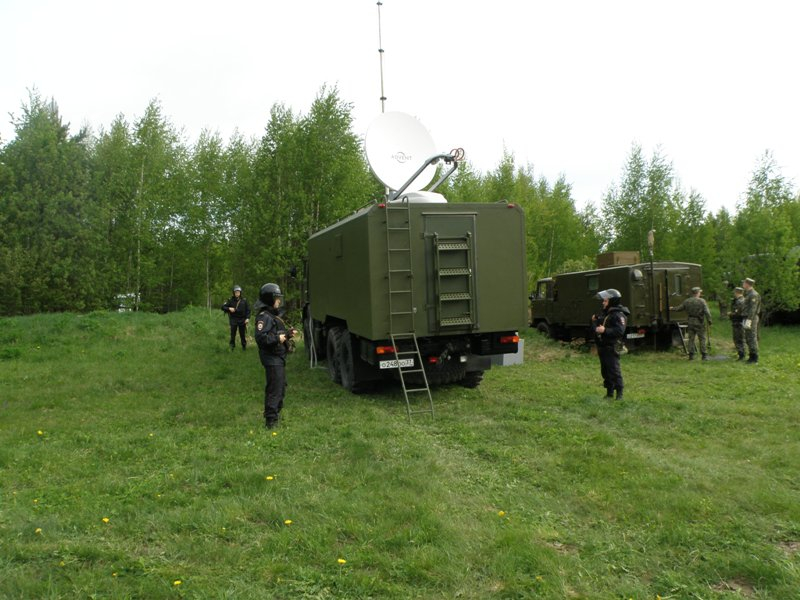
[415, 288]
[455, 279]
[562, 305]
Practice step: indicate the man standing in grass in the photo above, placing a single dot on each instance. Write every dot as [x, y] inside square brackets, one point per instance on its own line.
[271, 336]
[238, 311]
[697, 311]
[736, 321]
[752, 306]
[609, 330]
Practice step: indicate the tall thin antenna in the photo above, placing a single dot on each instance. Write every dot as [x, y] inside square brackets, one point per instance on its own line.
[380, 54]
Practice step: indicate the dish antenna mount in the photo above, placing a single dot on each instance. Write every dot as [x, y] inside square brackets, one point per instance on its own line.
[402, 155]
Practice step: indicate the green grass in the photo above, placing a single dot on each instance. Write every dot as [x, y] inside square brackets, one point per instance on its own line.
[531, 486]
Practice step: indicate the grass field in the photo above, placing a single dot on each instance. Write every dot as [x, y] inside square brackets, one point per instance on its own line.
[134, 464]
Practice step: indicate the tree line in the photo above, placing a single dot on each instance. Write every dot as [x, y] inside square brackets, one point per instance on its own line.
[136, 214]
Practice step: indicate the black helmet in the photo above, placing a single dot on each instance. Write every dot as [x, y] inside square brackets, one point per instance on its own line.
[237, 288]
[612, 295]
[268, 293]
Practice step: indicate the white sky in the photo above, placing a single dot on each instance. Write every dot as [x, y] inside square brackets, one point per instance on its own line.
[566, 86]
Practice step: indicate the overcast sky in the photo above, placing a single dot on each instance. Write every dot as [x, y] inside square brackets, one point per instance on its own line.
[565, 86]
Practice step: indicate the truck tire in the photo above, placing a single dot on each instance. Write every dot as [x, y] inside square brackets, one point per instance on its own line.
[472, 379]
[350, 363]
[543, 328]
[331, 345]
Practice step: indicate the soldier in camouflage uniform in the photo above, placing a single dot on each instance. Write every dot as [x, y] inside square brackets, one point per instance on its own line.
[736, 321]
[752, 306]
[697, 311]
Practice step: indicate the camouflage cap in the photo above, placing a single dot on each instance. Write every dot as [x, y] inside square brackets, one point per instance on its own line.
[749, 281]
[738, 289]
[696, 290]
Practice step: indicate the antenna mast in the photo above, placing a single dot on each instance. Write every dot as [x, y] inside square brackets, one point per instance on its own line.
[380, 54]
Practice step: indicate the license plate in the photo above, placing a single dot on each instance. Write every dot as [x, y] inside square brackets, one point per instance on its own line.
[392, 364]
[633, 336]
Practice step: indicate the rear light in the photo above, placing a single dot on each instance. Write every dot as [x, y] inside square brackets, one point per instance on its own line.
[384, 350]
[382, 205]
[643, 331]
[433, 360]
[509, 339]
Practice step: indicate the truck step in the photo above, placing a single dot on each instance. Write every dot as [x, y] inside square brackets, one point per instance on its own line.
[454, 272]
[454, 321]
[455, 296]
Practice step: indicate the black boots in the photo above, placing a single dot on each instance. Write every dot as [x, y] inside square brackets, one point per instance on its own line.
[741, 356]
[753, 358]
[619, 393]
[705, 356]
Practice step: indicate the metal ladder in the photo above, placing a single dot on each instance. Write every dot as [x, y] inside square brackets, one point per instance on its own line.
[454, 281]
[684, 336]
[401, 303]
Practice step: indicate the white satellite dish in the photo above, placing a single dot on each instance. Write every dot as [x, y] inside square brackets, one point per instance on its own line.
[397, 145]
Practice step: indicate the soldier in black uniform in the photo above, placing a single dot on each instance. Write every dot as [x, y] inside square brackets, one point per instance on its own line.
[272, 336]
[737, 316]
[238, 311]
[609, 332]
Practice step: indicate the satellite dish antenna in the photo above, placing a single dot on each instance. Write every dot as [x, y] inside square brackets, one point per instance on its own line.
[397, 145]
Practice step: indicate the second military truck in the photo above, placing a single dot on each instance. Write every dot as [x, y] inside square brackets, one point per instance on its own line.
[562, 305]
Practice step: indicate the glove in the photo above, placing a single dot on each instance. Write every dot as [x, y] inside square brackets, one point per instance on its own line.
[747, 324]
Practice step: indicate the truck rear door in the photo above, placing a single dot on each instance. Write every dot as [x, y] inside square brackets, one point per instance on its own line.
[677, 283]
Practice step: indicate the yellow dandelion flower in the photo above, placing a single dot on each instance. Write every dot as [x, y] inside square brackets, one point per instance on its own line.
[539, 578]
[341, 561]
[177, 582]
[61, 564]
[501, 513]
[106, 519]
[38, 531]
[39, 432]
[151, 435]
[36, 501]
[274, 433]
[269, 478]
[287, 522]
[114, 574]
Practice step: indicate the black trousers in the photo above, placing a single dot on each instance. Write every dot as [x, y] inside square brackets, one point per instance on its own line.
[242, 328]
[610, 368]
[274, 392]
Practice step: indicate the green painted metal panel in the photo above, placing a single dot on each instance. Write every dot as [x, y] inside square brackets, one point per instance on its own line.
[351, 285]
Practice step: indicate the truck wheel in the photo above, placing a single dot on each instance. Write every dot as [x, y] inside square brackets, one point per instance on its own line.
[543, 328]
[348, 367]
[472, 379]
[332, 343]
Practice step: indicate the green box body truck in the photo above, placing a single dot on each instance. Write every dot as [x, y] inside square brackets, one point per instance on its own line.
[449, 277]
[562, 305]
